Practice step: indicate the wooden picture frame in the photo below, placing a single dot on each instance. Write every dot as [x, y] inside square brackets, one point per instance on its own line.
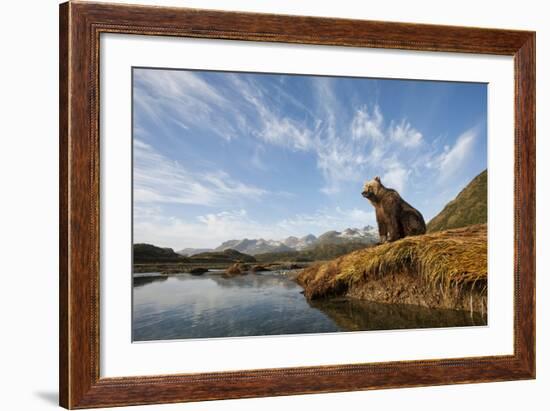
[80, 27]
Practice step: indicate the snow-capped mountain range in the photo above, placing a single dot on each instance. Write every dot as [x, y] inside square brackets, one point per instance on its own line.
[367, 235]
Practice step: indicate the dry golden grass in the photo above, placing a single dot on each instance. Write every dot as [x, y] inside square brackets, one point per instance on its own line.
[448, 260]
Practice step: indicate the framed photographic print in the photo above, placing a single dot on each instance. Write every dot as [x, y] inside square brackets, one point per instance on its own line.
[258, 205]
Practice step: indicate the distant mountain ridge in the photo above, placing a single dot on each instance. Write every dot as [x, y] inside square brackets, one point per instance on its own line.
[366, 235]
[188, 252]
[468, 208]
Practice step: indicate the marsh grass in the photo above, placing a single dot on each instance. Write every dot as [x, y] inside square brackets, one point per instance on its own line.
[452, 263]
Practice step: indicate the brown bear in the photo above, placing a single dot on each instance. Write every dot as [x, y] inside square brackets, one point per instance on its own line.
[395, 217]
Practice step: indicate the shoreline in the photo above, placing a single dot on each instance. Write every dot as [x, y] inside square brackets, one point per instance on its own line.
[167, 268]
[402, 310]
[291, 273]
[444, 270]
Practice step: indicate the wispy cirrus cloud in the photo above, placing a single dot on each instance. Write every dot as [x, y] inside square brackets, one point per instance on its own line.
[375, 146]
[184, 98]
[244, 108]
[404, 133]
[396, 175]
[157, 179]
[265, 122]
[350, 141]
[367, 124]
[452, 158]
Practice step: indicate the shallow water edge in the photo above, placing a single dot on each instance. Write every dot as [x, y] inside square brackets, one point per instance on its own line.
[186, 306]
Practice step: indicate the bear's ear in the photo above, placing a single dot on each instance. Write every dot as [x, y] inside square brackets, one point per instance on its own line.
[377, 178]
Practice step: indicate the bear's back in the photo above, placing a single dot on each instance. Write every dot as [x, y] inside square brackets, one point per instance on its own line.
[389, 195]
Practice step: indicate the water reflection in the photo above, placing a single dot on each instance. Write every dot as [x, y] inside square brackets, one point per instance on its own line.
[357, 315]
[209, 306]
[141, 281]
[256, 280]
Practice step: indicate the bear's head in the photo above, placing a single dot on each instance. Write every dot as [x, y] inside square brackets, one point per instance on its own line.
[372, 188]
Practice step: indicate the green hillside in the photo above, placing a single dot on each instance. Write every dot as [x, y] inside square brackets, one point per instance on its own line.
[468, 208]
[148, 253]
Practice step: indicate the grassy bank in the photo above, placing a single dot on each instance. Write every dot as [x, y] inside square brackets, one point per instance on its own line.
[447, 269]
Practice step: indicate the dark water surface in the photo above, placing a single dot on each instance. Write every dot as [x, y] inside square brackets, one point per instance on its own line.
[208, 306]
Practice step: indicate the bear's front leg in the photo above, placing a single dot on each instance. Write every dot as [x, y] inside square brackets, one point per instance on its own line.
[382, 231]
[394, 232]
[392, 237]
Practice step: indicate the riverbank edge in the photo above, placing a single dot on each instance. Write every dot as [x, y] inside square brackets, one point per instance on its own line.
[406, 289]
[439, 270]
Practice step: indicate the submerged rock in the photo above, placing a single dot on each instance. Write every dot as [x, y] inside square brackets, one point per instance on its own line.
[237, 269]
[198, 271]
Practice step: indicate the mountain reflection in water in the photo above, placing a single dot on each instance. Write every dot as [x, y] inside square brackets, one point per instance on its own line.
[209, 306]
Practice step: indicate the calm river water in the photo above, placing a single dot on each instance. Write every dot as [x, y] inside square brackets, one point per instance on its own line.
[208, 306]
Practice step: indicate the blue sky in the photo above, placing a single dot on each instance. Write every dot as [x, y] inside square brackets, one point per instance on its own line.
[220, 156]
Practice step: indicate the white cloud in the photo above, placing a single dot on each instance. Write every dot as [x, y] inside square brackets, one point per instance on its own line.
[285, 132]
[157, 179]
[452, 159]
[367, 125]
[272, 127]
[181, 85]
[373, 147]
[208, 230]
[326, 220]
[183, 98]
[348, 145]
[405, 134]
[339, 158]
[180, 123]
[396, 176]
[211, 229]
